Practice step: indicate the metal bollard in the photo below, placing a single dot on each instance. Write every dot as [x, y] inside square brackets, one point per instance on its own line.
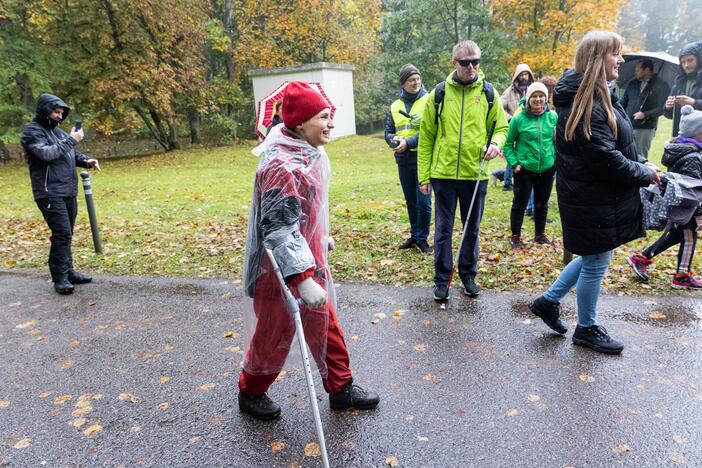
[88, 191]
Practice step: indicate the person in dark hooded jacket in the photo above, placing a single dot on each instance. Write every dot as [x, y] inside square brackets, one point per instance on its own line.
[682, 155]
[599, 175]
[687, 88]
[52, 158]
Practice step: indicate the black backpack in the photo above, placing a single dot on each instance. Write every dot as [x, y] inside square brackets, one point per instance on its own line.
[440, 92]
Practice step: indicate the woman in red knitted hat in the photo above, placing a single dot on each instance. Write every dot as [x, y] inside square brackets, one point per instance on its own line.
[290, 214]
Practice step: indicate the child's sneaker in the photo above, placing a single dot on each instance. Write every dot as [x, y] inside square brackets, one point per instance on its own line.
[686, 281]
[639, 264]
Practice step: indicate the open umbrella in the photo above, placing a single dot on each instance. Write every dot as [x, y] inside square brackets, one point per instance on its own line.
[264, 110]
[665, 66]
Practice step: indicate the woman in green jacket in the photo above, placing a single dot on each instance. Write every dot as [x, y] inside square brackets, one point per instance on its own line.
[531, 152]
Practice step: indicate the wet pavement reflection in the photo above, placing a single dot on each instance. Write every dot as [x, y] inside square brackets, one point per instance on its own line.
[143, 371]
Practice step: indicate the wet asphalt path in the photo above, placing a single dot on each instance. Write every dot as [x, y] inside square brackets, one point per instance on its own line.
[140, 372]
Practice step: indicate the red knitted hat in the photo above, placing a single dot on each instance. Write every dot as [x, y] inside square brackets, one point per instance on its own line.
[301, 102]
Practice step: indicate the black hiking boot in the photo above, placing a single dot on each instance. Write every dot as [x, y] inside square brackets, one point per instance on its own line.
[596, 337]
[63, 286]
[549, 312]
[441, 293]
[424, 246]
[353, 396]
[470, 288]
[78, 278]
[258, 406]
[407, 244]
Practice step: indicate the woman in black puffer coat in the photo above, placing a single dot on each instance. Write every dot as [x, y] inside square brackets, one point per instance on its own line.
[598, 180]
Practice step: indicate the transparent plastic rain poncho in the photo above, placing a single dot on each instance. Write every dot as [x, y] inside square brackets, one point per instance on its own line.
[290, 216]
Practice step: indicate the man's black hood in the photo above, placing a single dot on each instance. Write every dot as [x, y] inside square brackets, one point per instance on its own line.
[46, 105]
[693, 48]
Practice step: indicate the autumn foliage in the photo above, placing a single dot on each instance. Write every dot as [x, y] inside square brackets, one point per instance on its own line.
[547, 31]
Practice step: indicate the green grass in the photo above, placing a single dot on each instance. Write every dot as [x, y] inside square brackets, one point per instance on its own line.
[185, 214]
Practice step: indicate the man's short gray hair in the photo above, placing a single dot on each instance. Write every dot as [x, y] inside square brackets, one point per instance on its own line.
[467, 46]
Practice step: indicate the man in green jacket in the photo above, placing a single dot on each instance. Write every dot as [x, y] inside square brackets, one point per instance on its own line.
[450, 150]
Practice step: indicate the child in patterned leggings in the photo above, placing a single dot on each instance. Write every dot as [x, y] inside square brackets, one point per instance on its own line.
[682, 155]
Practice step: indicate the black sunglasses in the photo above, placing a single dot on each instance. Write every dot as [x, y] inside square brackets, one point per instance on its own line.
[466, 62]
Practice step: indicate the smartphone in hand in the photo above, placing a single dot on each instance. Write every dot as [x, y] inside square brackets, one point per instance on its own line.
[78, 125]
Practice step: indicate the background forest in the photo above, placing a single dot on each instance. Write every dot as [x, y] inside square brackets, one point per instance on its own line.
[175, 71]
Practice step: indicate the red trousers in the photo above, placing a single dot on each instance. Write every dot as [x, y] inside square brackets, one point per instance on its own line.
[336, 359]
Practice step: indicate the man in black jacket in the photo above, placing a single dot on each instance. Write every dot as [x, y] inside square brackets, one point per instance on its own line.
[687, 89]
[52, 159]
[643, 102]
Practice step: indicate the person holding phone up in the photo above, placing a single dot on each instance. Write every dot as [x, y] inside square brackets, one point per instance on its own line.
[687, 88]
[52, 157]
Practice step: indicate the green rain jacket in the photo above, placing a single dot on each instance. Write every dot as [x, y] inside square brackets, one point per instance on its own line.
[454, 148]
[530, 140]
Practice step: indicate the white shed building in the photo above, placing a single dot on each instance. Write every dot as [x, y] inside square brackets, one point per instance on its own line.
[336, 80]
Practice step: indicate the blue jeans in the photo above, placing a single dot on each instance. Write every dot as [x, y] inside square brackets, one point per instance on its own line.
[586, 274]
[507, 181]
[447, 193]
[530, 205]
[418, 204]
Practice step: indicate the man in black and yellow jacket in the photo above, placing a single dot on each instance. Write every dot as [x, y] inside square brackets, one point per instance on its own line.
[402, 135]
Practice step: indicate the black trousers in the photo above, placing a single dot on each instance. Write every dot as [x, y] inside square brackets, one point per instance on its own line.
[447, 194]
[524, 181]
[60, 215]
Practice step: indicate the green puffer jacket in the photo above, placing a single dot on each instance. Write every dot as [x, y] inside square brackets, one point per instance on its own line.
[454, 149]
[530, 140]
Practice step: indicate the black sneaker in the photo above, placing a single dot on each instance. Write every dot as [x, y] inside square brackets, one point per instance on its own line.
[596, 337]
[407, 244]
[529, 212]
[258, 406]
[78, 278]
[549, 312]
[506, 188]
[542, 239]
[353, 396]
[470, 288]
[515, 241]
[441, 293]
[423, 246]
[63, 286]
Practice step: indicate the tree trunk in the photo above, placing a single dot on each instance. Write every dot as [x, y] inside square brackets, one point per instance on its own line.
[153, 122]
[195, 123]
[227, 9]
[4, 153]
[173, 142]
[26, 95]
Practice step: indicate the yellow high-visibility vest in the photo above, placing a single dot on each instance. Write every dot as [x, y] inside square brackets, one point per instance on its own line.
[402, 123]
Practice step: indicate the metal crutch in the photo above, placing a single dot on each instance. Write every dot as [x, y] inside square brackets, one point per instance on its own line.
[295, 308]
[470, 209]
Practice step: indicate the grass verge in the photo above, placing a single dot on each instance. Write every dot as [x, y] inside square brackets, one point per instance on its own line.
[185, 213]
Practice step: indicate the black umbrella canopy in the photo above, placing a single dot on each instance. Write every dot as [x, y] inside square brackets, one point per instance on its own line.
[666, 66]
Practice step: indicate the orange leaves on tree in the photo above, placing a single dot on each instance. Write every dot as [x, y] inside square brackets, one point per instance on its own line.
[547, 31]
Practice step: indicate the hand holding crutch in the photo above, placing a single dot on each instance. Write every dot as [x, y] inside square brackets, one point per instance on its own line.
[294, 305]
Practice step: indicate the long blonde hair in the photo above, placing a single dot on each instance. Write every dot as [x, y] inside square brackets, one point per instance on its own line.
[590, 64]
